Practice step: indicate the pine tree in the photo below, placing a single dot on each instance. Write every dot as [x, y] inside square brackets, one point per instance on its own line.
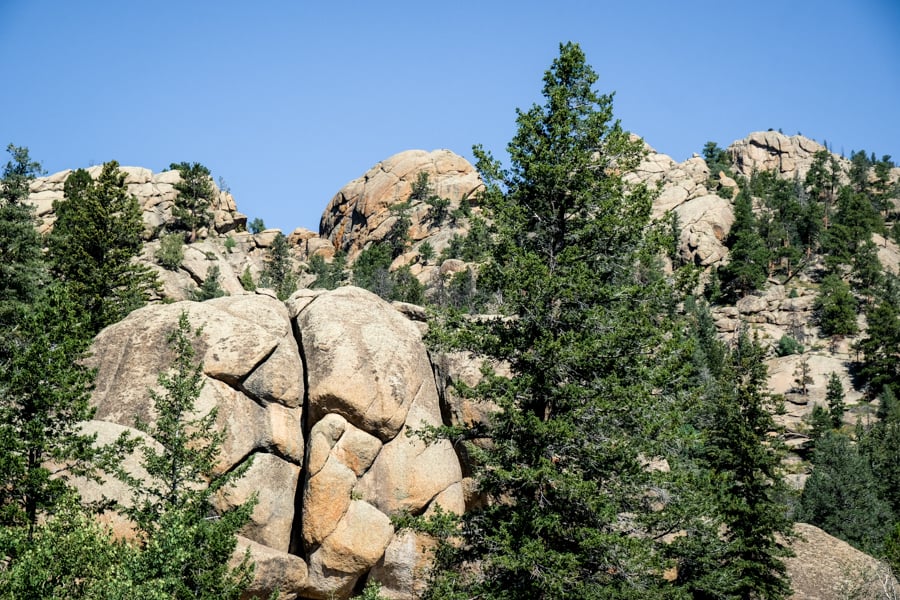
[835, 307]
[747, 268]
[278, 272]
[194, 199]
[184, 545]
[802, 376]
[70, 555]
[746, 461]
[210, 288]
[834, 397]
[93, 244]
[822, 181]
[565, 473]
[22, 269]
[44, 396]
[841, 496]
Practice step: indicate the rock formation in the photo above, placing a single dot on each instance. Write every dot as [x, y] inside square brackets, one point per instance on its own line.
[324, 392]
[324, 397]
[360, 212]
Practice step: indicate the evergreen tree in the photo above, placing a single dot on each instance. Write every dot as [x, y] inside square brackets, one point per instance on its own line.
[371, 269]
[841, 496]
[22, 270]
[565, 473]
[93, 244]
[802, 376]
[747, 268]
[835, 307]
[866, 273]
[881, 445]
[210, 288]
[834, 397]
[822, 182]
[746, 462]
[328, 275]
[278, 272]
[183, 544]
[70, 555]
[194, 199]
[881, 346]
[44, 394]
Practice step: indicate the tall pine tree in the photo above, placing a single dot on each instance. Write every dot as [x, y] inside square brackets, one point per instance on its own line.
[93, 244]
[573, 509]
[22, 270]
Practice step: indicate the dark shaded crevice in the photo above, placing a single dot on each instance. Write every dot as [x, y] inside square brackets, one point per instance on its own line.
[443, 381]
[296, 544]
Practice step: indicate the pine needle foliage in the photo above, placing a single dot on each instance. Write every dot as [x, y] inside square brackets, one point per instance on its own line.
[565, 472]
[96, 237]
[185, 545]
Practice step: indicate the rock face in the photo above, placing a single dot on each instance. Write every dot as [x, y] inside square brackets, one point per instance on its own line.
[825, 567]
[705, 217]
[773, 151]
[155, 193]
[322, 397]
[360, 212]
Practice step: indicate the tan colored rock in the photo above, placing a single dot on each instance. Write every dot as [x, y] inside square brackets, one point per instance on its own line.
[352, 549]
[773, 151]
[705, 223]
[338, 454]
[403, 570]
[824, 567]
[751, 304]
[366, 362]
[229, 347]
[265, 239]
[360, 212]
[131, 354]
[154, 192]
[275, 571]
[408, 473]
[274, 483]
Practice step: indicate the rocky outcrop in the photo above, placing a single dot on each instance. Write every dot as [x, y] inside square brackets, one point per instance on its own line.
[824, 567]
[324, 397]
[705, 218]
[773, 151]
[155, 193]
[360, 212]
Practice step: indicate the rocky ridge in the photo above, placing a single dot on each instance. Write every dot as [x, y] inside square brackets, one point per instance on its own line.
[321, 390]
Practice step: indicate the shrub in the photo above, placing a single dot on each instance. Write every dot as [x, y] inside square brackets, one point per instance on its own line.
[787, 346]
[257, 226]
[171, 251]
[229, 244]
[246, 280]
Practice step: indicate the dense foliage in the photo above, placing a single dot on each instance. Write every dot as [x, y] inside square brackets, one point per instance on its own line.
[631, 454]
[603, 382]
[195, 195]
[96, 236]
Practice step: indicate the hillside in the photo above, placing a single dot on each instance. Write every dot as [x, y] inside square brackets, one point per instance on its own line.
[322, 388]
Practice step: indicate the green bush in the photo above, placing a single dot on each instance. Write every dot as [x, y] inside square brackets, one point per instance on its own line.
[230, 244]
[210, 288]
[787, 346]
[246, 280]
[257, 226]
[171, 251]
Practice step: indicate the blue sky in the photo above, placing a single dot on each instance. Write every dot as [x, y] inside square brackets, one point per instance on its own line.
[288, 101]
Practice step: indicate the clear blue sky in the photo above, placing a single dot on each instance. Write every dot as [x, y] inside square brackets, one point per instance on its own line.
[290, 100]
